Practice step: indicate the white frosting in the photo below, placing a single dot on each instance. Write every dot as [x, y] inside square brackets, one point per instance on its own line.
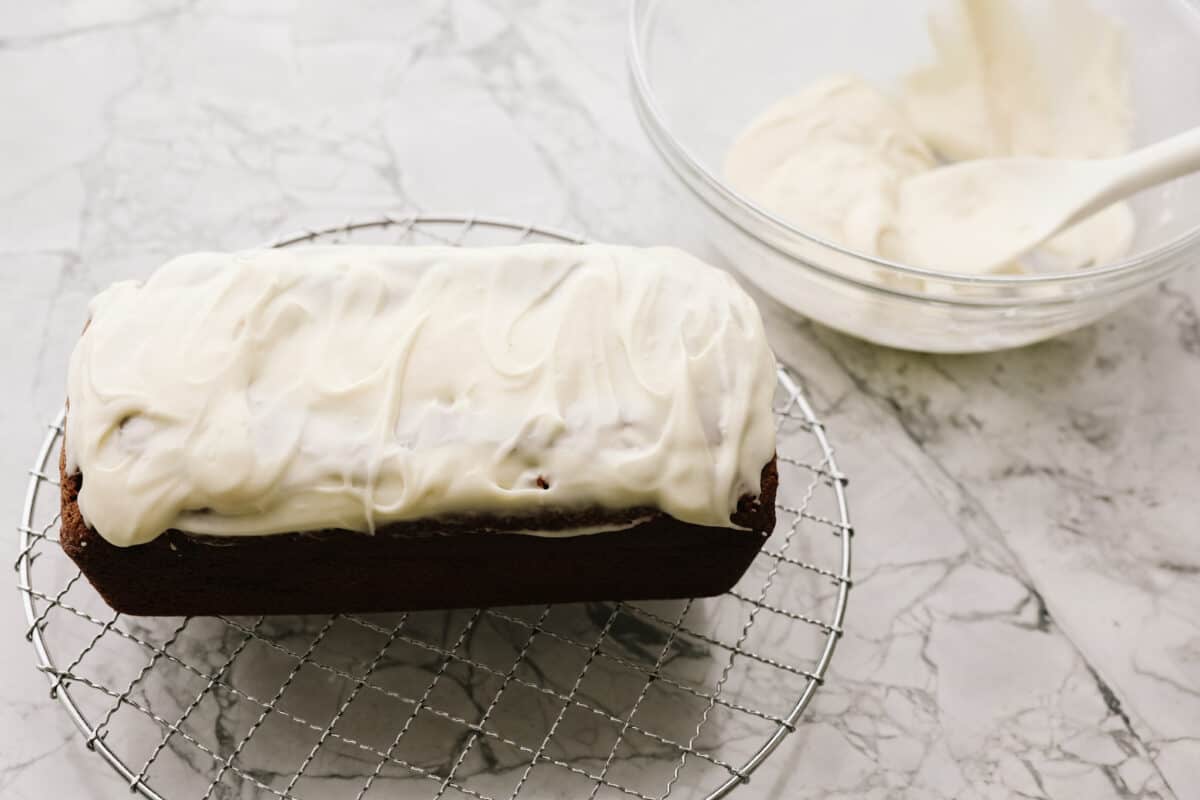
[348, 387]
[833, 158]
[1012, 79]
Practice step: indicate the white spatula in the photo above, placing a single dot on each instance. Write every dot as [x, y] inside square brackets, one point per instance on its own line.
[976, 216]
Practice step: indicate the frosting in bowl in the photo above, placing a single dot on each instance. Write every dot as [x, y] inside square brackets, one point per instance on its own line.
[350, 386]
[833, 159]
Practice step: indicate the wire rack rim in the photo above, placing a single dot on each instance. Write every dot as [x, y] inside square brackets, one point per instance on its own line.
[412, 220]
[46, 663]
[29, 536]
[839, 614]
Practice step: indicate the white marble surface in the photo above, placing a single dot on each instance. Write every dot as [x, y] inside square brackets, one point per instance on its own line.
[1025, 618]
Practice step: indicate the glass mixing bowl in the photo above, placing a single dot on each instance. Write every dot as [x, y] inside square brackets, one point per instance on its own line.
[702, 71]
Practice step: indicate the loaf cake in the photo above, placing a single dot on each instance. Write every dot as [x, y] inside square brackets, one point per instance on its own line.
[352, 428]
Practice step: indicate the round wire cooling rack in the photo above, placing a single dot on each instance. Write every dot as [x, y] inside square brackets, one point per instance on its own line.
[680, 699]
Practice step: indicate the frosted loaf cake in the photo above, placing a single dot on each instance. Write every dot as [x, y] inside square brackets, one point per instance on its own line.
[418, 427]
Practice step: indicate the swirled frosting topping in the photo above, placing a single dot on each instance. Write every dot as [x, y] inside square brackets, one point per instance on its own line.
[350, 386]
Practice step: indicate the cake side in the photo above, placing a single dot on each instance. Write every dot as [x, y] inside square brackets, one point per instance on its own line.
[475, 562]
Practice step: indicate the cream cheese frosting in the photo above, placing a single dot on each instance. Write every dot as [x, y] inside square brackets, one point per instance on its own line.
[832, 159]
[350, 386]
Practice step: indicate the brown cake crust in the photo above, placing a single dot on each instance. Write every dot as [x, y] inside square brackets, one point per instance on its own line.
[466, 561]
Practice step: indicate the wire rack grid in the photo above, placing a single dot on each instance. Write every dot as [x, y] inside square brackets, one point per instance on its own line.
[681, 699]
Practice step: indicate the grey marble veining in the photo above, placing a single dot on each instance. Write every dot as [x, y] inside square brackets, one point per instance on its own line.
[1024, 620]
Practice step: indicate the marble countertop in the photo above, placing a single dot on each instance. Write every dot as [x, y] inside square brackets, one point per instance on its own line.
[1025, 615]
